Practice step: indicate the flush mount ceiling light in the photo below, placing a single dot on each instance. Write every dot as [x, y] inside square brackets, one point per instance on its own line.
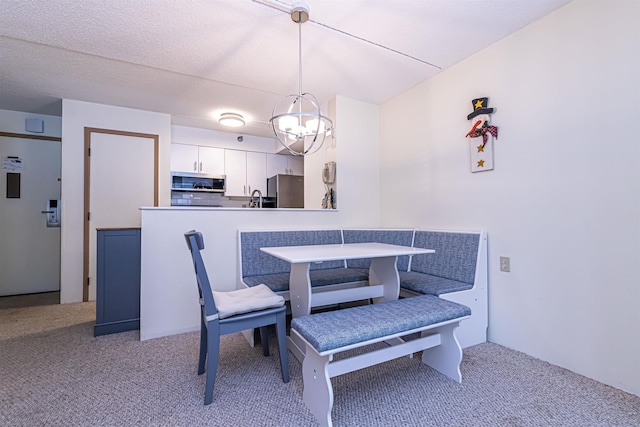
[297, 120]
[231, 119]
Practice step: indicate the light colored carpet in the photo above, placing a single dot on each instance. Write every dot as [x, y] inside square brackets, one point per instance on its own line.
[53, 372]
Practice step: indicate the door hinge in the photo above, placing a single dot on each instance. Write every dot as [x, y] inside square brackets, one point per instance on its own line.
[89, 151]
[88, 281]
[88, 216]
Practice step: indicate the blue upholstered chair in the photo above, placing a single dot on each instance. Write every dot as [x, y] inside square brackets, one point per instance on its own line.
[228, 312]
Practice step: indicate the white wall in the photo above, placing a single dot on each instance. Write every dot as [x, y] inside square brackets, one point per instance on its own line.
[15, 122]
[169, 300]
[314, 188]
[564, 199]
[357, 158]
[213, 138]
[76, 116]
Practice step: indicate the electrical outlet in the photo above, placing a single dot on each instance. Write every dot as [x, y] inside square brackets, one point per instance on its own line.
[505, 263]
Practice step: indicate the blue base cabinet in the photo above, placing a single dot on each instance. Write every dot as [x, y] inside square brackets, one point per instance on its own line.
[117, 281]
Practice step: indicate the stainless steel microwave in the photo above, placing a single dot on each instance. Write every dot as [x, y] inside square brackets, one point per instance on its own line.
[199, 182]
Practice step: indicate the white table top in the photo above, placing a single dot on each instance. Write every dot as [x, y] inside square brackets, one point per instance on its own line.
[317, 253]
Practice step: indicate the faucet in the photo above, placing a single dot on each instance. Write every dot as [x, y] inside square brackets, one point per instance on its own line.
[252, 203]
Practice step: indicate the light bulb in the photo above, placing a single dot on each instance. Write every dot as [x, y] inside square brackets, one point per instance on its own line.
[312, 126]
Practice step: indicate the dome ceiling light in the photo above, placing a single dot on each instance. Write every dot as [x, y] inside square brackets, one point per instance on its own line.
[231, 119]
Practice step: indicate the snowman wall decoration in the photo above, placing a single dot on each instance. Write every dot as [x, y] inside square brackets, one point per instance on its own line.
[481, 149]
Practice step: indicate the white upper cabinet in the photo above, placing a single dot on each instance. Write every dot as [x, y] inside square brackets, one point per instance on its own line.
[284, 165]
[193, 158]
[184, 158]
[236, 171]
[256, 172]
[276, 164]
[296, 165]
[246, 171]
[211, 160]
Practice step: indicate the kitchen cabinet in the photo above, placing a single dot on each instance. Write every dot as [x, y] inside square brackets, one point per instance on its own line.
[246, 171]
[296, 165]
[184, 158]
[278, 164]
[117, 280]
[211, 160]
[194, 158]
[256, 172]
[235, 167]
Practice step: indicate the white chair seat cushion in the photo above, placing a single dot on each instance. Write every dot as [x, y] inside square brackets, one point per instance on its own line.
[245, 300]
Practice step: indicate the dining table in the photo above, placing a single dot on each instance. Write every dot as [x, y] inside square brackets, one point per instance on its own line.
[383, 283]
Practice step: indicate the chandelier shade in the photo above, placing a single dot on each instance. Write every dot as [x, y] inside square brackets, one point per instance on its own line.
[297, 120]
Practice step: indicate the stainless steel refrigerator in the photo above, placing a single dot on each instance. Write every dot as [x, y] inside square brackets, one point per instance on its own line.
[287, 190]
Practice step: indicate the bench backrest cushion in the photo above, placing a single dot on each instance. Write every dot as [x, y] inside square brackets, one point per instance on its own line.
[255, 262]
[335, 329]
[455, 257]
[393, 237]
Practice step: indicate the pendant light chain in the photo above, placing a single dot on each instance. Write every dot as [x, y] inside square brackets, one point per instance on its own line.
[299, 56]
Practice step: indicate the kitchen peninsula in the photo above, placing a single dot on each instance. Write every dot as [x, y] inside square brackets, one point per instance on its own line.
[168, 293]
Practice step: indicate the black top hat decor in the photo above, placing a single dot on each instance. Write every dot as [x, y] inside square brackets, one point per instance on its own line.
[480, 107]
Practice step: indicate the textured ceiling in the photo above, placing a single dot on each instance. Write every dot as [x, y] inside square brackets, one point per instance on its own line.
[195, 58]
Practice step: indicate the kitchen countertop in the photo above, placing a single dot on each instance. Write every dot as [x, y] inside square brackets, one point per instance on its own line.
[208, 208]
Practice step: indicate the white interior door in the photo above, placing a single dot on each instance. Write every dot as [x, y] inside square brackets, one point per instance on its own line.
[122, 179]
[29, 250]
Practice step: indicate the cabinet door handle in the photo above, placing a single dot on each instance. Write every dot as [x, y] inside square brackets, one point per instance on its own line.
[195, 166]
[200, 167]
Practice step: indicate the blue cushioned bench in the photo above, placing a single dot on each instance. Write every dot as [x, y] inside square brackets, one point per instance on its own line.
[257, 267]
[402, 237]
[329, 333]
[457, 271]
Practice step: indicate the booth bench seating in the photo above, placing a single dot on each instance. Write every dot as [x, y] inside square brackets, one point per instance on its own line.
[457, 271]
[329, 333]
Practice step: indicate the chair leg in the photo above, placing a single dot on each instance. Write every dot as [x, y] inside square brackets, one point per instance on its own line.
[264, 339]
[213, 348]
[203, 346]
[281, 332]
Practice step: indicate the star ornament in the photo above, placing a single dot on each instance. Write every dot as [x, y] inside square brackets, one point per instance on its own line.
[480, 148]
[479, 103]
[480, 163]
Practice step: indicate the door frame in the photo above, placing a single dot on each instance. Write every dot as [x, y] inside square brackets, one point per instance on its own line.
[87, 190]
[29, 136]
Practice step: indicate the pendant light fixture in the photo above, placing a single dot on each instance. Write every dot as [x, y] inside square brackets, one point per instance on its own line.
[297, 121]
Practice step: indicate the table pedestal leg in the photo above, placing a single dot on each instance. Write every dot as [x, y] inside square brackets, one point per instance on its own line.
[300, 300]
[383, 271]
[300, 289]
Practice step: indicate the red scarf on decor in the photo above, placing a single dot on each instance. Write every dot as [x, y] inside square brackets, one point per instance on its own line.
[483, 131]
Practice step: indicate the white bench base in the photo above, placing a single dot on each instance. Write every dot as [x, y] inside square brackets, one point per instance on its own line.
[441, 351]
